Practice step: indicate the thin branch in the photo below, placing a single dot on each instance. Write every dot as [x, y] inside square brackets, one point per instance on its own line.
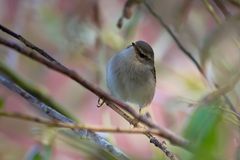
[59, 124]
[53, 114]
[29, 44]
[172, 137]
[179, 44]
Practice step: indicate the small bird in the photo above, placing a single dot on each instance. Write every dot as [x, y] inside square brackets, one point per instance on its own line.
[131, 74]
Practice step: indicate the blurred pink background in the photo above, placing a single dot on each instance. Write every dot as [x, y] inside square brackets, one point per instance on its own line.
[83, 35]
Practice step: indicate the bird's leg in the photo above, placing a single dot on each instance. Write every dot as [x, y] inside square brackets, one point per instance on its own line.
[145, 113]
[140, 110]
[135, 121]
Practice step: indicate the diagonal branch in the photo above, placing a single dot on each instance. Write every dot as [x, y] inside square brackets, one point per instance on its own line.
[29, 44]
[53, 114]
[179, 44]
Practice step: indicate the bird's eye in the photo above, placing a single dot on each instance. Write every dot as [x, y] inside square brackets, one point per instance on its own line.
[143, 56]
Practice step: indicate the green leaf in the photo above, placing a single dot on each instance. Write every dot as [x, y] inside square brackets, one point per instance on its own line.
[204, 132]
[37, 157]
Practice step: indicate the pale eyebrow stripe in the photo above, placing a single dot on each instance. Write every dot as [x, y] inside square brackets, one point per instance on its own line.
[140, 49]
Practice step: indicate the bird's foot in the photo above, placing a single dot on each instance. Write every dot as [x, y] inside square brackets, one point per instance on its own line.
[145, 113]
[100, 102]
[134, 122]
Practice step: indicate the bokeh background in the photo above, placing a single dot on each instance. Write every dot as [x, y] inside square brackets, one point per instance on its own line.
[83, 35]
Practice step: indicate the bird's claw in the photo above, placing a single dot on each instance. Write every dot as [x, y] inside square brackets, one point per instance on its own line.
[134, 122]
[100, 102]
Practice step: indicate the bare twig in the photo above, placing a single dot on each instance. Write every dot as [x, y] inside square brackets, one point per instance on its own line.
[60, 124]
[86, 134]
[29, 44]
[172, 137]
[179, 44]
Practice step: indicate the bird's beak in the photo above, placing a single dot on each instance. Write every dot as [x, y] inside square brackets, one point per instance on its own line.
[135, 46]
